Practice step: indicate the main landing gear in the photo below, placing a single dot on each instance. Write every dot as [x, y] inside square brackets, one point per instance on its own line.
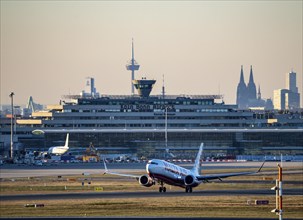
[162, 188]
[188, 189]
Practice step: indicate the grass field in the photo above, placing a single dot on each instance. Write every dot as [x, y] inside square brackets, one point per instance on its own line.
[185, 206]
[219, 206]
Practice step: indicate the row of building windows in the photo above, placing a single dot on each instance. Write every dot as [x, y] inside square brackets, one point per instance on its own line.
[140, 102]
[140, 125]
[145, 110]
[157, 125]
[155, 118]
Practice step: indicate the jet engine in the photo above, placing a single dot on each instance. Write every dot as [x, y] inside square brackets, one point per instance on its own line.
[146, 181]
[190, 180]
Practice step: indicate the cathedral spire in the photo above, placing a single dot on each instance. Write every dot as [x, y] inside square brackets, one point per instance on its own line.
[241, 91]
[242, 75]
[251, 76]
[251, 87]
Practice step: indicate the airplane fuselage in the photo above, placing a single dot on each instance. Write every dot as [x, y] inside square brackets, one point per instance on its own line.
[58, 150]
[169, 173]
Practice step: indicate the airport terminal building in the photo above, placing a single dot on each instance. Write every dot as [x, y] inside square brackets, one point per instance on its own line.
[144, 125]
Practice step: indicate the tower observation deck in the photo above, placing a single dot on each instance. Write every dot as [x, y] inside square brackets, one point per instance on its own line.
[132, 65]
[144, 87]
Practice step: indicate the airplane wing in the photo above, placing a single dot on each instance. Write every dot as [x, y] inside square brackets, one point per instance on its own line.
[106, 171]
[225, 175]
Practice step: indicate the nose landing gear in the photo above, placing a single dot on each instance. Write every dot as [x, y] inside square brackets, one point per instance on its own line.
[188, 189]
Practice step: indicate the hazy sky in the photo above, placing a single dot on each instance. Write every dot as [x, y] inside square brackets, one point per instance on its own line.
[49, 47]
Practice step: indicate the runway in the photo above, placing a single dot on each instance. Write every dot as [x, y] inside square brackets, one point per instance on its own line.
[13, 171]
[19, 171]
[144, 194]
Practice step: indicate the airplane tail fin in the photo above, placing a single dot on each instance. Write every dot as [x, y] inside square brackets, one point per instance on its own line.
[105, 167]
[66, 141]
[196, 167]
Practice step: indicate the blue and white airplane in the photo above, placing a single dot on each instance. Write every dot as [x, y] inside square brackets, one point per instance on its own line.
[162, 172]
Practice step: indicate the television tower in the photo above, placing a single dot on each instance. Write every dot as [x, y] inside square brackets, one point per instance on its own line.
[132, 65]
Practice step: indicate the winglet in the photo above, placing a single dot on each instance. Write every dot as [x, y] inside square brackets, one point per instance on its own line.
[106, 171]
[261, 167]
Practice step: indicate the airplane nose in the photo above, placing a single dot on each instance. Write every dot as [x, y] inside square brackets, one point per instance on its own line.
[147, 168]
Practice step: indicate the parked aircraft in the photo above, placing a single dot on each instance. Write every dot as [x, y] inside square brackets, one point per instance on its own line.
[59, 150]
[162, 172]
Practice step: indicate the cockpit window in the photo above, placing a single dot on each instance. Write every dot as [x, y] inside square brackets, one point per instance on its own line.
[152, 162]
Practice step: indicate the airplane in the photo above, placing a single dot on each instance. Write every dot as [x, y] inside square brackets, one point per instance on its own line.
[164, 172]
[59, 150]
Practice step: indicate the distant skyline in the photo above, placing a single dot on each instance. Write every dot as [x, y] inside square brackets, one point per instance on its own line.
[48, 48]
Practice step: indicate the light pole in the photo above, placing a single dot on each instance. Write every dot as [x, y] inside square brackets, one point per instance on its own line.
[166, 144]
[12, 117]
[166, 129]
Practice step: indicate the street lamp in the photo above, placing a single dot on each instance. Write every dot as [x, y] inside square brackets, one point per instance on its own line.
[12, 117]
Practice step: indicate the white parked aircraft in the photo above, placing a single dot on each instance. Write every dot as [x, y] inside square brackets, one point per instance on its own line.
[59, 150]
[163, 172]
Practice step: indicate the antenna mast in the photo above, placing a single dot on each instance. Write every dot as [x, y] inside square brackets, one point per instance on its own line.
[163, 88]
[132, 66]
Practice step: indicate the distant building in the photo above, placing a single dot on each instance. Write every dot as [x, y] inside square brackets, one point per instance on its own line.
[293, 96]
[292, 100]
[279, 99]
[289, 98]
[90, 90]
[247, 96]
[291, 81]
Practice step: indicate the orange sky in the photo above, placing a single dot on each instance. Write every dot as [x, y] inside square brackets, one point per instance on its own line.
[49, 47]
